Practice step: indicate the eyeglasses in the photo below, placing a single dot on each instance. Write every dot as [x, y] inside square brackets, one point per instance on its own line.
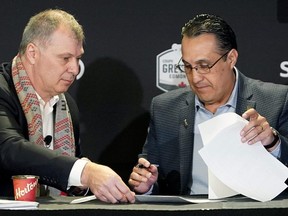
[201, 69]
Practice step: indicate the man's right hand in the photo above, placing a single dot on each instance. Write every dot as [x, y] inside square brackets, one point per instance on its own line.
[142, 178]
[105, 184]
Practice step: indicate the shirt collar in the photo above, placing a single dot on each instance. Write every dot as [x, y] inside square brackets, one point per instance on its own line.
[50, 103]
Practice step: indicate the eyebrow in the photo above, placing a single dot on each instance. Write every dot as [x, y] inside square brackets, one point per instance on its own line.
[197, 62]
[70, 54]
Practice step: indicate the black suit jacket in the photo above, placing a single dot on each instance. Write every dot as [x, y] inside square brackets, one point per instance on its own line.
[19, 156]
[170, 141]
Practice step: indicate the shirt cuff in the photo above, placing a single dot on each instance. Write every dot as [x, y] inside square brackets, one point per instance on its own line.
[277, 151]
[149, 192]
[75, 173]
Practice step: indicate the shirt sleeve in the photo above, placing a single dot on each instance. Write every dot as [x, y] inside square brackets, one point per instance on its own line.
[75, 173]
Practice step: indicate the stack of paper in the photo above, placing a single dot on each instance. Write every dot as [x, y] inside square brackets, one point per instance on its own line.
[12, 204]
[236, 167]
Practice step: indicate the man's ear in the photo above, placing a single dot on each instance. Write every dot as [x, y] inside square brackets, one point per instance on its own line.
[32, 51]
[232, 57]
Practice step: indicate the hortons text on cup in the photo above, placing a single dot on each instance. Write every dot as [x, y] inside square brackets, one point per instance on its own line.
[25, 187]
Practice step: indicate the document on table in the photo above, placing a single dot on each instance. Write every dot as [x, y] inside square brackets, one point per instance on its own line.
[155, 199]
[237, 167]
[18, 205]
[172, 199]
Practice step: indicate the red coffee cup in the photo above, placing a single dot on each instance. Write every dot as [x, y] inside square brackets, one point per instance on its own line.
[25, 187]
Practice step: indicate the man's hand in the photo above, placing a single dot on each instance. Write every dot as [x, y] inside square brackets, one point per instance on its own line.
[258, 129]
[105, 184]
[142, 178]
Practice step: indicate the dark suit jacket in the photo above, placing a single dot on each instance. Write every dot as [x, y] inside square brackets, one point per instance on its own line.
[18, 155]
[170, 144]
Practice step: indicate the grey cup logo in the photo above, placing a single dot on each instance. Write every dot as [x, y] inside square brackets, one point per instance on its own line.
[168, 76]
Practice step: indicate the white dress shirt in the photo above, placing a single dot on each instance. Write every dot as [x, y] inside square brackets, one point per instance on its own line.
[48, 129]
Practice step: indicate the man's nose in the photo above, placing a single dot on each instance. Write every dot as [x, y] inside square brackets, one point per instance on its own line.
[196, 76]
[74, 67]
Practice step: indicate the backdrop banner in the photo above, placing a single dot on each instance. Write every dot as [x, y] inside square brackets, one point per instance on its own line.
[131, 50]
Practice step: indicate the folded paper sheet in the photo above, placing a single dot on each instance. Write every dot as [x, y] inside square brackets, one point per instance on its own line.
[237, 167]
[18, 205]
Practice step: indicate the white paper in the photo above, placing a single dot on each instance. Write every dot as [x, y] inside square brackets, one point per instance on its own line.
[17, 205]
[171, 199]
[217, 189]
[247, 169]
[153, 199]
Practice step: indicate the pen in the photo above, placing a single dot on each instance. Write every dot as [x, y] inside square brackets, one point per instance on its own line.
[84, 199]
[141, 166]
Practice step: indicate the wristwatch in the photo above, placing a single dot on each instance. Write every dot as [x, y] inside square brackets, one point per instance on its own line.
[276, 138]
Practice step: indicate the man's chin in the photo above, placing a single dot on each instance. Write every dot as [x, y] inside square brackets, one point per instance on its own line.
[63, 90]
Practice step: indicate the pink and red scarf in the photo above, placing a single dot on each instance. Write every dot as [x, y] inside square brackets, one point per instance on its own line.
[63, 130]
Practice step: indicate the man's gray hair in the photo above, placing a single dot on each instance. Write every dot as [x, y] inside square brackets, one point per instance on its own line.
[41, 26]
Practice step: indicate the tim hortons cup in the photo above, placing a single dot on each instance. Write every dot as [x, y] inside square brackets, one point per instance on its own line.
[25, 187]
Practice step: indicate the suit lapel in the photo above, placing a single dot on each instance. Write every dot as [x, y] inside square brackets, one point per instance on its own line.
[245, 94]
[186, 137]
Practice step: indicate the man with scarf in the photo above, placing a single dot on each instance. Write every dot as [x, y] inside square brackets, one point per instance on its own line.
[39, 128]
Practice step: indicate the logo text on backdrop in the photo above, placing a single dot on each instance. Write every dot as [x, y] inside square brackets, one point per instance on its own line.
[168, 77]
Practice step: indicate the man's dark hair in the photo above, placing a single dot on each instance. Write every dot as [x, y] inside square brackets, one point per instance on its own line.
[207, 23]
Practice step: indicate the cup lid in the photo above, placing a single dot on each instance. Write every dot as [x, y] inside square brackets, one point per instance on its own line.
[25, 177]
